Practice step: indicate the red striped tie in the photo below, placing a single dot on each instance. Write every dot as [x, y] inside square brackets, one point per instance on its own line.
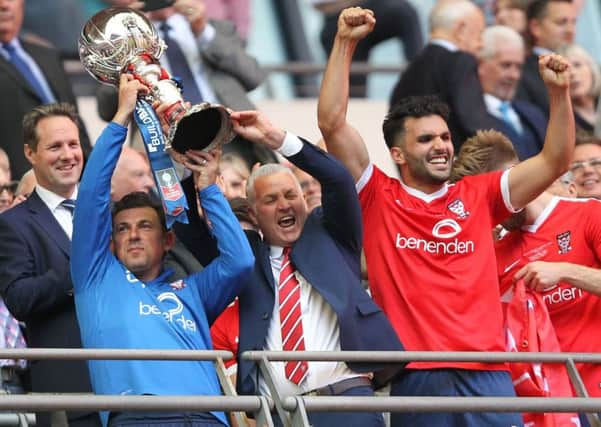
[291, 319]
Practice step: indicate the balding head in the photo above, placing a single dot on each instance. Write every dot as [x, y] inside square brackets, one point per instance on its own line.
[132, 173]
[458, 21]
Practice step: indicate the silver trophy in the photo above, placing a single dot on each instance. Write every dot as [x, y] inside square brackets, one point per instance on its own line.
[119, 40]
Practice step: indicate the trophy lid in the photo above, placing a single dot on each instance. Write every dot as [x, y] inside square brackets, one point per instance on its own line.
[112, 38]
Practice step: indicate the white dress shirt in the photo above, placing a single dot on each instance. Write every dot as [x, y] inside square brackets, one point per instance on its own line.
[493, 105]
[321, 333]
[61, 213]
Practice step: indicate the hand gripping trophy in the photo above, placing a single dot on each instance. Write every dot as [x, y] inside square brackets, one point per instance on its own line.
[122, 40]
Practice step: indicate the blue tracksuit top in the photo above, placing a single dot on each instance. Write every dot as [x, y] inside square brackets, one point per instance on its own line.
[116, 310]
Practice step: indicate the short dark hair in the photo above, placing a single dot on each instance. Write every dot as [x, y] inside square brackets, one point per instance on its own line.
[586, 137]
[33, 117]
[537, 9]
[140, 199]
[411, 106]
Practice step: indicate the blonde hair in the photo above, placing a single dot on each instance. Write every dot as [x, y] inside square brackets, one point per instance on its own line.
[485, 152]
[574, 49]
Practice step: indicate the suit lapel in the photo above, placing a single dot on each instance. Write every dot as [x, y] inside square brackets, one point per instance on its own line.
[42, 215]
[265, 263]
[43, 61]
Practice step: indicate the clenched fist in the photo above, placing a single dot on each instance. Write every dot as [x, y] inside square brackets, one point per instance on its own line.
[355, 23]
[555, 71]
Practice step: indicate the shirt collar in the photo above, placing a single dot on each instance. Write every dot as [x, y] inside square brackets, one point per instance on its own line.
[492, 102]
[539, 50]
[425, 196]
[445, 44]
[276, 251]
[15, 43]
[52, 200]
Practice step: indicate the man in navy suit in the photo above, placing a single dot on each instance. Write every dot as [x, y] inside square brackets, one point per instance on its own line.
[35, 247]
[500, 66]
[324, 248]
[551, 25]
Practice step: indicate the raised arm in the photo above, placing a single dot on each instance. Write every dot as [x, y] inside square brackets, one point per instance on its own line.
[342, 140]
[531, 177]
[92, 219]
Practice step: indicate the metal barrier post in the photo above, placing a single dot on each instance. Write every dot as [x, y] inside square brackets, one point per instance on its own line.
[576, 379]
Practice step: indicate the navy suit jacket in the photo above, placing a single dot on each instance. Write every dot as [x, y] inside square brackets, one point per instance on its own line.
[328, 255]
[35, 283]
[532, 87]
[452, 76]
[534, 123]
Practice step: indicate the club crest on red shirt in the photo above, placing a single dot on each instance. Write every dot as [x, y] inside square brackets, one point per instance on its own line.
[458, 208]
[564, 242]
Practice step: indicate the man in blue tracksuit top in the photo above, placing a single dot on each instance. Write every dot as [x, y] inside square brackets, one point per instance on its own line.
[122, 296]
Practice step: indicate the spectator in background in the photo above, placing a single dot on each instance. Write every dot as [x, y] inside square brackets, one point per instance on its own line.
[423, 227]
[30, 75]
[586, 166]
[551, 25]
[397, 19]
[312, 259]
[310, 186]
[511, 13]
[132, 173]
[585, 86]
[233, 173]
[67, 18]
[35, 247]
[123, 285]
[447, 67]
[5, 172]
[26, 184]
[236, 11]
[7, 194]
[499, 69]
[209, 57]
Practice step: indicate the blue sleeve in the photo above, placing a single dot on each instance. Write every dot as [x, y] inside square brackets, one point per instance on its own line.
[221, 280]
[340, 202]
[92, 218]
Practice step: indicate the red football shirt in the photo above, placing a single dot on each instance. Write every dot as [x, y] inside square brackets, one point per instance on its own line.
[431, 262]
[225, 331]
[568, 230]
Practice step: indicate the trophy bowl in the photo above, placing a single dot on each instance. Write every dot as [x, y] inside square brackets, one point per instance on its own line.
[121, 40]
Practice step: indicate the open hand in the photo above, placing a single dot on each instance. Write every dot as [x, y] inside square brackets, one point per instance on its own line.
[254, 126]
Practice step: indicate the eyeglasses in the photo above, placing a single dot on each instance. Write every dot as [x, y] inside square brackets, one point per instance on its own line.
[578, 167]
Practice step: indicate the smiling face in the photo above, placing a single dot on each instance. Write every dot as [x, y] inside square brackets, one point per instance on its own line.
[425, 153]
[139, 241]
[57, 160]
[586, 170]
[279, 208]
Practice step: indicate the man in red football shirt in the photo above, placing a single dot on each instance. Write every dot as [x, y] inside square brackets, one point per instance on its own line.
[428, 244]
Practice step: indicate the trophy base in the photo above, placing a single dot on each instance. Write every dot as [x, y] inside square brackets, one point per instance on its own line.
[203, 127]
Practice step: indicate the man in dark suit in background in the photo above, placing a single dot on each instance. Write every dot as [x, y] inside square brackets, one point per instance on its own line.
[500, 66]
[30, 75]
[309, 263]
[35, 248]
[447, 67]
[551, 24]
[209, 58]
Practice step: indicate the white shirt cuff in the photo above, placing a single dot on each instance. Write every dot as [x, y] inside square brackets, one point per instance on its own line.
[291, 145]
